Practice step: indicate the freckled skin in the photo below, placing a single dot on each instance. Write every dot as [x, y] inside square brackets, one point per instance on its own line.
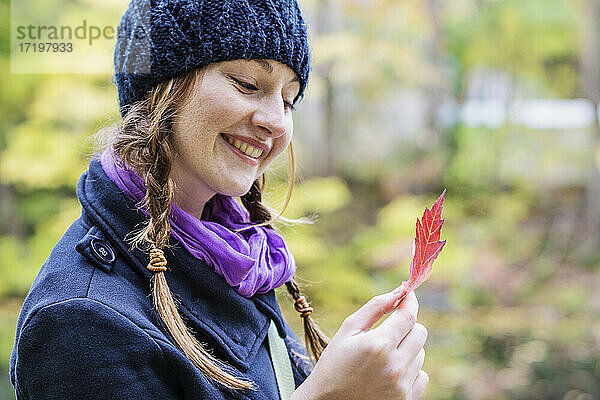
[204, 163]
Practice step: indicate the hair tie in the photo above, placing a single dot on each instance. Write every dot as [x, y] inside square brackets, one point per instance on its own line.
[158, 262]
[302, 306]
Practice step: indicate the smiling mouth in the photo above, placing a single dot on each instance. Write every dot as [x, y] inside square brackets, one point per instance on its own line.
[246, 148]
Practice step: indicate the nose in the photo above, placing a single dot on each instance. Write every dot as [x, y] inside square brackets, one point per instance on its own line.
[270, 117]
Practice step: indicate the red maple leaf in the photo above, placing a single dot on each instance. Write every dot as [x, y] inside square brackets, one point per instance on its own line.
[426, 247]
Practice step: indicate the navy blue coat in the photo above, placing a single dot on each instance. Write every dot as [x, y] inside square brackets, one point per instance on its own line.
[87, 329]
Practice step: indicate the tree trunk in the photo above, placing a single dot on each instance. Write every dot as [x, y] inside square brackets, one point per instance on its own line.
[9, 217]
[590, 80]
[434, 89]
[330, 18]
[330, 128]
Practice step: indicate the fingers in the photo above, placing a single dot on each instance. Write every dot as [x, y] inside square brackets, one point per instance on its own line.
[419, 385]
[373, 310]
[416, 364]
[401, 321]
[406, 376]
[412, 345]
[411, 373]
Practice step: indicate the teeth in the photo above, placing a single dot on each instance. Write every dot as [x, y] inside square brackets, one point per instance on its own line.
[256, 153]
[245, 148]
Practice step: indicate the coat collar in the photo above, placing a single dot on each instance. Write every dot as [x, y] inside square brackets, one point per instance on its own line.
[233, 323]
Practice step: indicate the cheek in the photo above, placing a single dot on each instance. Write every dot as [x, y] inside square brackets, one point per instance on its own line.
[212, 110]
[281, 143]
[202, 121]
[222, 106]
[279, 146]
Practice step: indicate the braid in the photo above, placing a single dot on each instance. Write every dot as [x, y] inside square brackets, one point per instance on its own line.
[160, 187]
[252, 201]
[143, 142]
[315, 339]
[164, 303]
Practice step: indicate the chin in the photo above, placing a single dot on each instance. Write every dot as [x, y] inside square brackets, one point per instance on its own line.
[237, 190]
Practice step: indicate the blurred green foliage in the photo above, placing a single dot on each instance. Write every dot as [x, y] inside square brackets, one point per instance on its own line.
[512, 307]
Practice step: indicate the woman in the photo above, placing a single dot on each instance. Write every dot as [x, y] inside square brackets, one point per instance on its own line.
[206, 91]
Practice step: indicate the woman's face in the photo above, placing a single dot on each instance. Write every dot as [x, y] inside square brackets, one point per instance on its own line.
[236, 120]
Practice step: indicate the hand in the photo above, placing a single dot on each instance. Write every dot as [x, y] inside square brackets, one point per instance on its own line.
[380, 363]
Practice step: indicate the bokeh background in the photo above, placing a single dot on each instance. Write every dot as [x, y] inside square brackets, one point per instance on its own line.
[494, 100]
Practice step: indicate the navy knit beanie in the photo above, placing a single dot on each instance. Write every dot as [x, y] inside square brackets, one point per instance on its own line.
[160, 39]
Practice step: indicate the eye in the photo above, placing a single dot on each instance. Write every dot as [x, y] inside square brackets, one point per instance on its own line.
[250, 87]
[244, 85]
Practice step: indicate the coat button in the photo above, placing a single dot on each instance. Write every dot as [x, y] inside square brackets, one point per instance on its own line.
[102, 251]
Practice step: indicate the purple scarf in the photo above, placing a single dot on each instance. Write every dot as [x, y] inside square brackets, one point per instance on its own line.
[253, 261]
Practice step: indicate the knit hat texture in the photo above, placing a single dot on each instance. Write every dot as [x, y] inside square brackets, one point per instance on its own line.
[161, 39]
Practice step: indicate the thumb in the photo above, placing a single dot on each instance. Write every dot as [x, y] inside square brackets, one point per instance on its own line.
[372, 311]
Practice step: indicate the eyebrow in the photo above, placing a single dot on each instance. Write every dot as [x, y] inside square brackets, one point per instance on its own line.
[264, 64]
